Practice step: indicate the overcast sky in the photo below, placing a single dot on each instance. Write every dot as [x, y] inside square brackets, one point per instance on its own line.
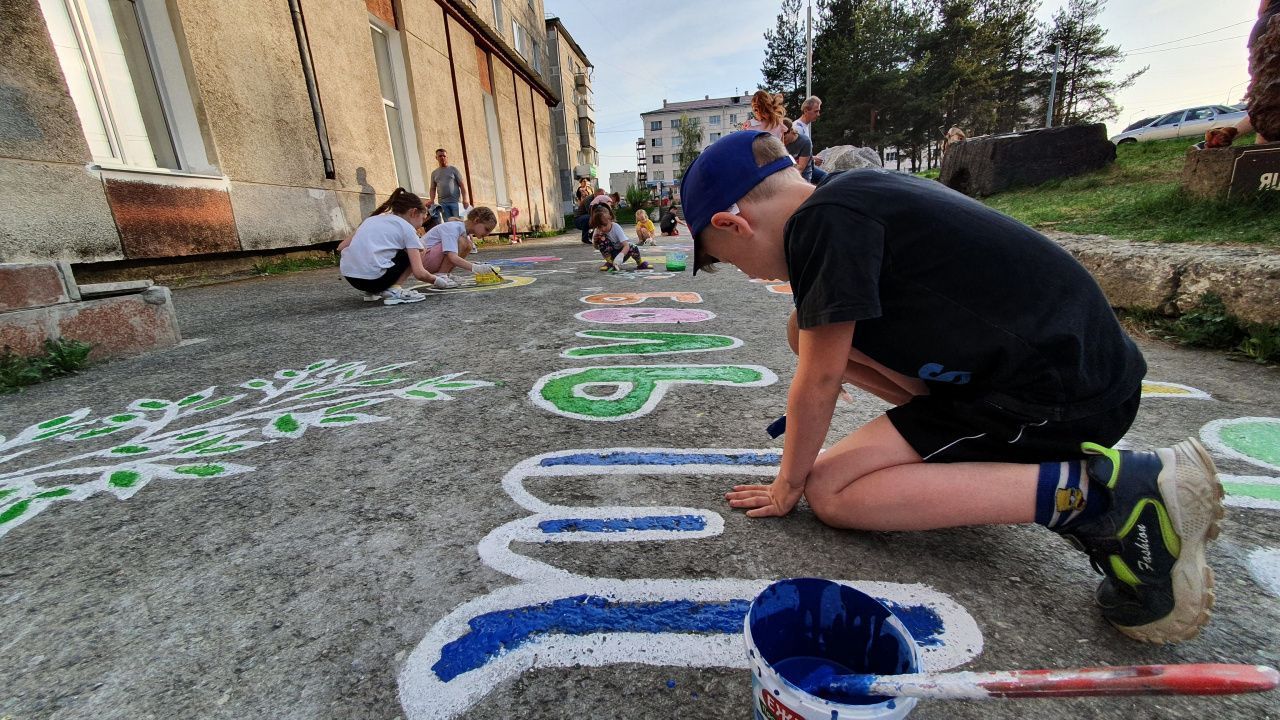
[684, 49]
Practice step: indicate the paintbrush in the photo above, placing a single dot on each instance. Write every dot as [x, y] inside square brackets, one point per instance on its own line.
[1192, 679]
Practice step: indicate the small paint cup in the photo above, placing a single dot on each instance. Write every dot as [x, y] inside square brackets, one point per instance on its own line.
[675, 261]
[796, 626]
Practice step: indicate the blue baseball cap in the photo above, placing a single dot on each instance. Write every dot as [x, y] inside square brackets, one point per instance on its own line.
[721, 175]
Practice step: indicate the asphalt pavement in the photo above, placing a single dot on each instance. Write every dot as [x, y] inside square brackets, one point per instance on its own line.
[506, 501]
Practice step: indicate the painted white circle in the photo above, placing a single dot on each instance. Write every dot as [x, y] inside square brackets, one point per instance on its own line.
[1211, 434]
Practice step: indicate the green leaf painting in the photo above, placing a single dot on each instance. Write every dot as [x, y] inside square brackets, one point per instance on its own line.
[183, 438]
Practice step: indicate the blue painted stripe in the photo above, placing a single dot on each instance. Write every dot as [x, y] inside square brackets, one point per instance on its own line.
[503, 631]
[686, 523]
[1073, 474]
[664, 458]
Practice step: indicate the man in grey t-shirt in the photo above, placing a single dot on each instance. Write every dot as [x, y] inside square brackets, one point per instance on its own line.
[448, 182]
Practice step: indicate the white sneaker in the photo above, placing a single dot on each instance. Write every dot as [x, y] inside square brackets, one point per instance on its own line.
[444, 282]
[371, 297]
[397, 297]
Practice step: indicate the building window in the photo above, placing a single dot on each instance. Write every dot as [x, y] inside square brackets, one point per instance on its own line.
[660, 175]
[404, 151]
[520, 39]
[123, 68]
[655, 124]
[655, 142]
[733, 118]
[497, 16]
[674, 123]
[676, 141]
[714, 137]
[656, 159]
[491, 127]
[714, 120]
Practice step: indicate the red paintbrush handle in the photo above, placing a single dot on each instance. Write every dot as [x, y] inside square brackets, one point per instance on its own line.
[1202, 679]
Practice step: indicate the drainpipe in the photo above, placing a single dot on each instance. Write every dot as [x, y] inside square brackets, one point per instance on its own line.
[313, 90]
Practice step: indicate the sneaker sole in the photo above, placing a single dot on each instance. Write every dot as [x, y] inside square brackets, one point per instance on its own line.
[405, 301]
[1193, 496]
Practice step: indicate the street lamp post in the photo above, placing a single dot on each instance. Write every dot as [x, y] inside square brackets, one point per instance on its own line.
[1053, 86]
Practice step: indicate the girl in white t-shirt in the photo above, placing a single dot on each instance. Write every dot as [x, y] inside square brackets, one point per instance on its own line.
[448, 244]
[385, 250]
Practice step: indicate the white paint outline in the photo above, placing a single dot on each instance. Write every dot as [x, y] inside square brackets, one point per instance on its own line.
[622, 342]
[1211, 435]
[699, 313]
[1190, 394]
[621, 390]
[620, 298]
[424, 695]
[1246, 501]
[768, 377]
[1264, 567]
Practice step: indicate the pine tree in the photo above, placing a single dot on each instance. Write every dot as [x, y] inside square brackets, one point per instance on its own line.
[784, 58]
[1086, 90]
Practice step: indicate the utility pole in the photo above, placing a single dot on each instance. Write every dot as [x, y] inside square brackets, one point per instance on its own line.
[808, 51]
[1053, 87]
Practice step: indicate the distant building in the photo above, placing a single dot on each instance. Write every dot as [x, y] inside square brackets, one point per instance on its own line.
[661, 141]
[620, 181]
[145, 131]
[573, 121]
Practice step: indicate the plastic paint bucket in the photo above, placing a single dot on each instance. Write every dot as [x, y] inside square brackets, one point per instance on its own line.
[799, 624]
[490, 278]
[675, 261]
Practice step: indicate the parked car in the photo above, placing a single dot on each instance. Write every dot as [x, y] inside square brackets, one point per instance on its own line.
[1191, 122]
[1141, 123]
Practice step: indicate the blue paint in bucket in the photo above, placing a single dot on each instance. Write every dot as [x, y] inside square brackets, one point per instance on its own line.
[801, 626]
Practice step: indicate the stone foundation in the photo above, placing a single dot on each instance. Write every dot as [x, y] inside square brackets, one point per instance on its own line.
[42, 301]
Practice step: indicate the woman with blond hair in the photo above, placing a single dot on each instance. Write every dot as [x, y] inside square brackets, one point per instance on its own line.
[769, 112]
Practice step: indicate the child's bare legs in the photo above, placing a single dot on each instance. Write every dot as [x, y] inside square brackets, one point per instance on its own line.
[643, 236]
[464, 249]
[874, 480]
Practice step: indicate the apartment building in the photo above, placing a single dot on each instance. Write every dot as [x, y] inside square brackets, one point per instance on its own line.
[657, 151]
[573, 121]
[151, 130]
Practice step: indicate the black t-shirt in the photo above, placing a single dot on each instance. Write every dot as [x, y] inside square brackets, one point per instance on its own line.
[802, 148]
[943, 288]
[667, 222]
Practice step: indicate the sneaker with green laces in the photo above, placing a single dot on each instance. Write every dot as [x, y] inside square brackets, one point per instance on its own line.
[1165, 505]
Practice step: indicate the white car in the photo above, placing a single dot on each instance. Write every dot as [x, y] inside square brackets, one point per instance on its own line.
[1192, 122]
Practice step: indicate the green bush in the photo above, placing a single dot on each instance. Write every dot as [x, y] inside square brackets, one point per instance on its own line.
[61, 357]
[1210, 326]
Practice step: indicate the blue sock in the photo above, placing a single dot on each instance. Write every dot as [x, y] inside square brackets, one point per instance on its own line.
[1063, 496]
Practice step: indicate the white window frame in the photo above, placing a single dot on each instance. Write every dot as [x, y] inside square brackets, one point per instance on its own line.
[713, 137]
[657, 159]
[655, 142]
[497, 16]
[677, 141]
[655, 125]
[714, 120]
[107, 104]
[413, 158]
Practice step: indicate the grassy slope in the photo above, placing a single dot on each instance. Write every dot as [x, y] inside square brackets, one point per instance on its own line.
[1138, 198]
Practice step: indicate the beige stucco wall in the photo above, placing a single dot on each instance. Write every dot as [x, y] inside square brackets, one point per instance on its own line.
[54, 208]
[251, 99]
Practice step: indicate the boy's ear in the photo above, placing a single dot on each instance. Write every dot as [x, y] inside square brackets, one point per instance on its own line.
[730, 222]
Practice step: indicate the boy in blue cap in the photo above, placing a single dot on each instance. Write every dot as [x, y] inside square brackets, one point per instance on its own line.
[1009, 375]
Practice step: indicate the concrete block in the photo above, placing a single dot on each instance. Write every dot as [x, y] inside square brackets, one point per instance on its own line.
[54, 211]
[24, 332]
[31, 286]
[987, 165]
[120, 326]
[107, 289]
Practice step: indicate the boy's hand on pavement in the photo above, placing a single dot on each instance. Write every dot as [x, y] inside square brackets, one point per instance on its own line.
[773, 500]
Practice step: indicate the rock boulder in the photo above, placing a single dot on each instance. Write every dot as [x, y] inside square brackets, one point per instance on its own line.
[987, 165]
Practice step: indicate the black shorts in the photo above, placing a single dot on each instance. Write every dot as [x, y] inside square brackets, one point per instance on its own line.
[943, 429]
[398, 265]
